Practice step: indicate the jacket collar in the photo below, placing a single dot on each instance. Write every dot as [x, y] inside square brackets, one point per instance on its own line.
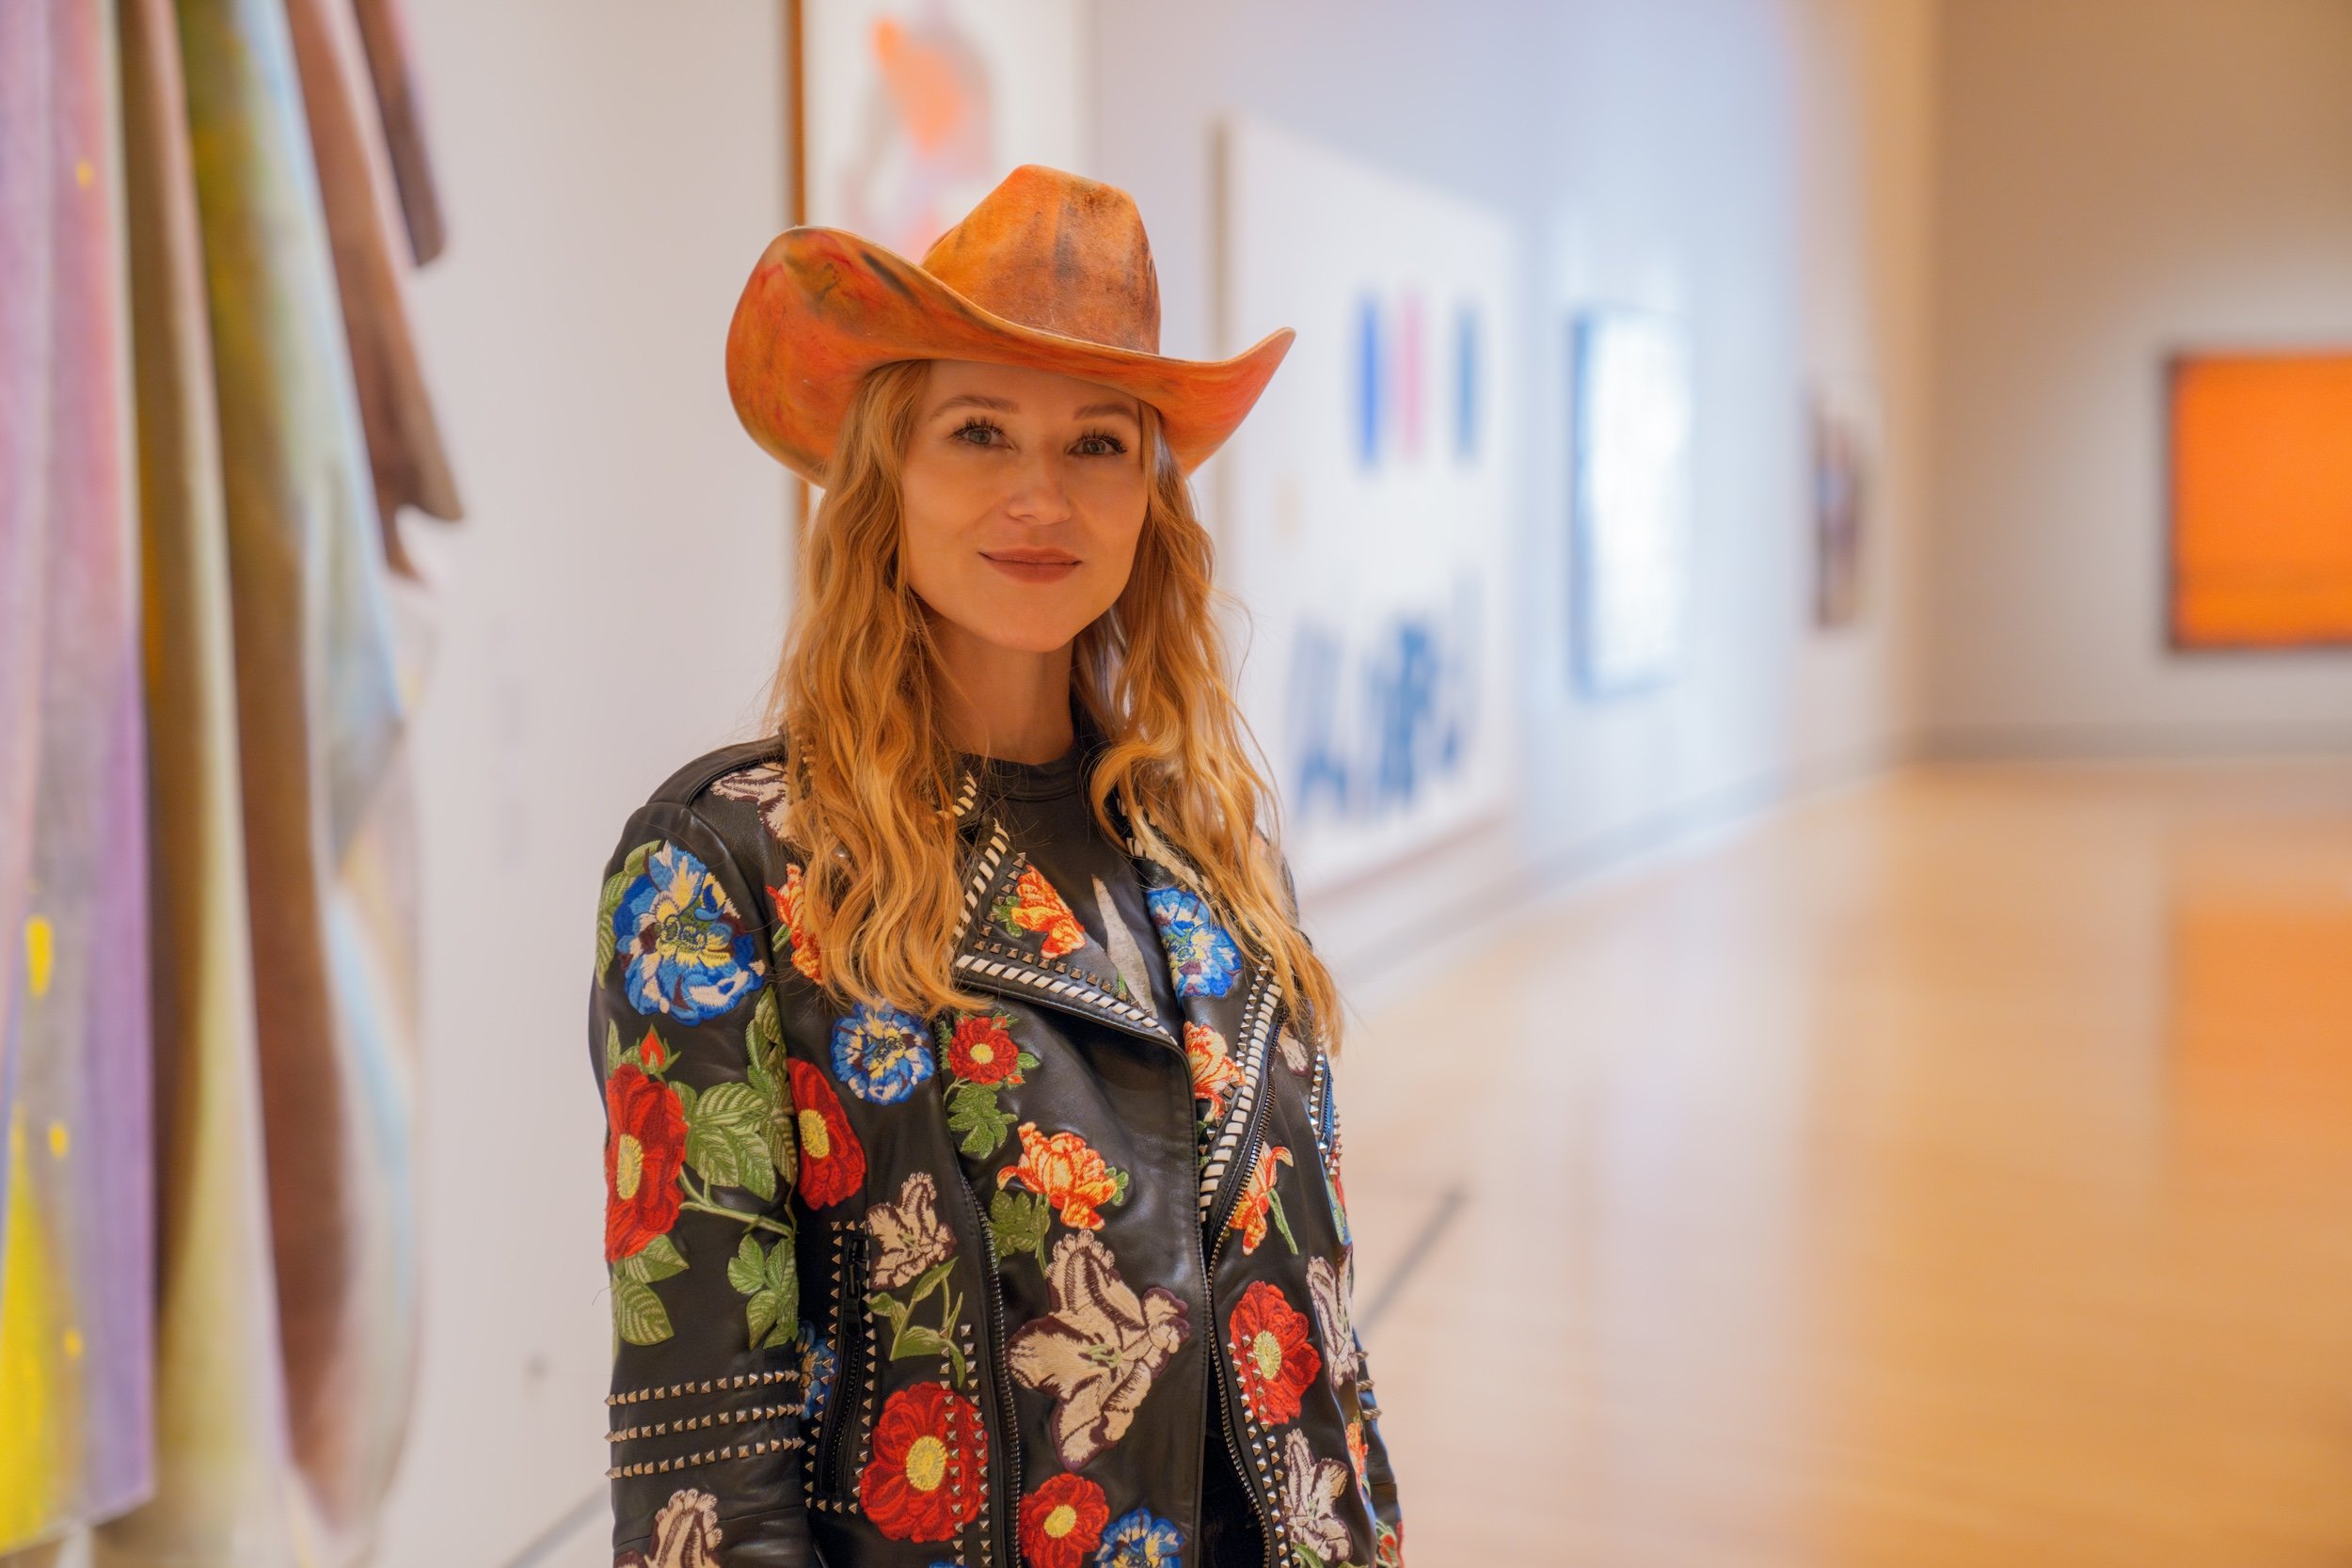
[1220, 967]
[1225, 983]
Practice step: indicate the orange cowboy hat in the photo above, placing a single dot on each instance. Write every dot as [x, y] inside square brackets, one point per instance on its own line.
[1050, 270]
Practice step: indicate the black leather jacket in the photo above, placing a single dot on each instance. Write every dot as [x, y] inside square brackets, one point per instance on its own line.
[817, 1216]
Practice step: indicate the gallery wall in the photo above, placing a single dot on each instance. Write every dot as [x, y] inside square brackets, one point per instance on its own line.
[1758, 169]
[2119, 179]
[612, 607]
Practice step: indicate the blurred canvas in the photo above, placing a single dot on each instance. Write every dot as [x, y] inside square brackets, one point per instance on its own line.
[912, 110]
[1629, 497]
[1840, 512]
[1367, 500]
[2261, 500]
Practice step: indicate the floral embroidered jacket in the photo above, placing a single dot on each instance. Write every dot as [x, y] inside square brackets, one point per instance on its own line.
[812, 1211]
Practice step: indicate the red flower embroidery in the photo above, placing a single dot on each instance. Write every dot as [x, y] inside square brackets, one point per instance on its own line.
[1259, 1199]
[1032, 905]
[1064, 1168]
[806, 957]
[832, 1164]
[651, 1051]
[1215, 1073]
[645, 1145]
[982, 1052]
[1272, 1351]
[1061, 1522]
[930, 1457]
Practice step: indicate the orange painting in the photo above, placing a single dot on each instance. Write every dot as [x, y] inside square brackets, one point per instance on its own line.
[2261, 500]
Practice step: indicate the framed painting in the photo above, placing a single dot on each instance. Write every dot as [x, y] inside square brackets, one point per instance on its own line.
[1840, 512]
[1629, 498]
[909, 111]
[1368, 500]
[2260, 500]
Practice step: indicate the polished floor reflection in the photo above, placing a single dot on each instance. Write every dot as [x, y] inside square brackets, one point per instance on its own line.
[1955, 1171]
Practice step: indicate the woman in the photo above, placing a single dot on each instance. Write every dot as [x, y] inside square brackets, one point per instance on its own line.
[973, 1177]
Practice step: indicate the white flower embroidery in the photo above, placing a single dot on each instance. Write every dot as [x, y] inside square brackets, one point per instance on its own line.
[764, 784]
[1343, 1358]
[1099, 1347]
[909, 1233]
[1294, 1049]
[1312, 1488]
[685, 1535]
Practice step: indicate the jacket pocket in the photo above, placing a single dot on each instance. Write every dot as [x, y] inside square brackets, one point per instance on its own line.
[847, 1414]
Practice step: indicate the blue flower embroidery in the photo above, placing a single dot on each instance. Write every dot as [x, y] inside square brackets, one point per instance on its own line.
[881, 1054]
[817, 1363]
[687, 957]
[1140, 1540]
[1201, 958]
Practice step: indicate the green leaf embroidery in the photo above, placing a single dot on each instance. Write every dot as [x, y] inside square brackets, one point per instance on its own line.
[781, 1275]
[759, 1316]
[1274, 1207]
[972, 1110]
[661, 1259]
[1019, 1222]
[727, 1138]
[615, 885]
[747, 1271]
[763, 1051]
[612, 1047]
[637, 1312]
[771, 1312]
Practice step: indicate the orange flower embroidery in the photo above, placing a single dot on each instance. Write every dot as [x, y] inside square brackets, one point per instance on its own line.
[1032, 905]
[1259, 1199]
[1066, 1172]
[805, 957]
[1214, 1071]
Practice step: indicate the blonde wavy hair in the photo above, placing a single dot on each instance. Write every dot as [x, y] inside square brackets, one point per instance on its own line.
[873, 776]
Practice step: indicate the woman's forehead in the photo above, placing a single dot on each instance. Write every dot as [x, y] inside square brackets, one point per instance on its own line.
[1023, 388]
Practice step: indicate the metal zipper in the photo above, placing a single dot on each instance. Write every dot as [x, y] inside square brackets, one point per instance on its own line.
[1209, 1255]
[849, 1375]
[1000, 1518]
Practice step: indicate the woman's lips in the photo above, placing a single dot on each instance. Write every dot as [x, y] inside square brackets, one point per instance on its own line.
[1031, 571]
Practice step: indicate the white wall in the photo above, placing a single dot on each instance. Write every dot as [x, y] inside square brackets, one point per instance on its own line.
[1759, 165]
[2120, 178]
[614, 605]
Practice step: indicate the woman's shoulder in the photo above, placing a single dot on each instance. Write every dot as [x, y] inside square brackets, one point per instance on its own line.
[730, 802]
[745, 770]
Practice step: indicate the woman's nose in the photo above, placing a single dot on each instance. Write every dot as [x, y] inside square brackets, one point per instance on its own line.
[1040, 495]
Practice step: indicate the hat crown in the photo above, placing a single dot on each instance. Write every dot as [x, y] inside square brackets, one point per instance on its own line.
[1055, 251]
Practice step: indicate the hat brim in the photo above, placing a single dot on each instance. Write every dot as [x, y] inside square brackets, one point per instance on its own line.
[825, 305]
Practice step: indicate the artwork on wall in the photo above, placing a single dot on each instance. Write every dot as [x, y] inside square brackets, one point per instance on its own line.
[2261, 480]
[1629, 497]
[912, 110]
[1367, 510]
[1840, 508]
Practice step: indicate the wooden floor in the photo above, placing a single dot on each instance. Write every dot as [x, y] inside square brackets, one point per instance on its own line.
[1957, 1171]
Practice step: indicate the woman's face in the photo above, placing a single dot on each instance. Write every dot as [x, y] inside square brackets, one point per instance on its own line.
[1023, 495]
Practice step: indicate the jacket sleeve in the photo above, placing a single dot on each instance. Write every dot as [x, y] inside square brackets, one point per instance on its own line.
[705, 1408]
[1379, 1475]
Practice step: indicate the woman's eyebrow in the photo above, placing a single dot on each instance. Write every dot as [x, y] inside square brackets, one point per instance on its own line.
[1092, 409]
[979, 400]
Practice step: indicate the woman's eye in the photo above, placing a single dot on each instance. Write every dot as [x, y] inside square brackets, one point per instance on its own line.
[1099, 446]
[979, 433]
